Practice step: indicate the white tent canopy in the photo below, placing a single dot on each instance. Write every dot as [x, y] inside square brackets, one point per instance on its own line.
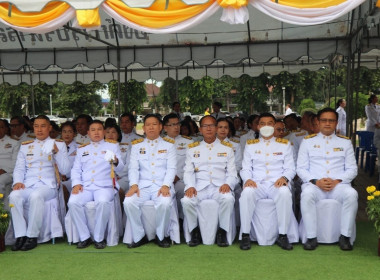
[211, 48]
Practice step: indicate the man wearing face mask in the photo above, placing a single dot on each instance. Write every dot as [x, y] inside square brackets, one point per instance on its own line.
[267, 167]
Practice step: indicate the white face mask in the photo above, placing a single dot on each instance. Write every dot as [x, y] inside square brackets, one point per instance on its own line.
[267, 131]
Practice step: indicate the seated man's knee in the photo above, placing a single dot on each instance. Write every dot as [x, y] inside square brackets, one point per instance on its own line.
[284, 193]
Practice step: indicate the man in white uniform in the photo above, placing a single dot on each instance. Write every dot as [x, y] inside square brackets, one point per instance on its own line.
[152, 169]
[82, 123]
[35, 181]
[19, 129]
[8, 154]
[172, 128]
[268, 165]
[326, 164]
[341, 127]
[92, 180]
[210, 173]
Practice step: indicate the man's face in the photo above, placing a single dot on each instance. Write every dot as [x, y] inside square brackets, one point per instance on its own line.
[305, 122]
[152, 128]
[41, 128]
[279, 130]
[96, 132]
[82, 126]
[126, 125]
[208, 128]
[172, 128]
[255, 124]
[237, 124]
[215, 108]
[266, 121]
[290, 124]
[327, 123]
[315, 125]
[3, 129]
[222, 129]
[177, 107]
[17, 129]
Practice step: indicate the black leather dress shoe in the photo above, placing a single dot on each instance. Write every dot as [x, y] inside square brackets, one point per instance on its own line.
[283, 242]
[100, 245]
[84, 244]
[195, 237]
[311, 244]
[29, 244]
[19, 242]
[344, 243]
[164, 243]
[221, 238]
[142, 241]
[245, 242]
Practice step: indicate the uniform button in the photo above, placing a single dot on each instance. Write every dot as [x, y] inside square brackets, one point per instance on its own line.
[154, 181]
[210, 149]
[92, 180]
[95, 154]
[327, 153]
[152, 155]
[328, 172]
[268, 144]
[152, 163]
[93, 171]
[327, 162]
[210, 172]
[267, 155]
[266, 163]
[152, 145]
[40, 168]
[153, 172]
[94, 161]
[39, 177]
[327, 142]
[41, 163]
[209, 158]
[267, 171]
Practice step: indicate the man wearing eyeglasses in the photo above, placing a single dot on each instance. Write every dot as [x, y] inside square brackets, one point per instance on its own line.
[19, 129]
[326, 164]
[181, 142]
[210, 173]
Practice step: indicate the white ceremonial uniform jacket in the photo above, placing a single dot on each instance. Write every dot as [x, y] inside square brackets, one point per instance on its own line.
[8, 153]
[129, 137]
[296, 138]
[152, 162]
[91, 169]
[323, 156]
[71, 152]
[210, 164]
[268, 160]
[237, 152]
[372, 112]
[341, 121]
[181, 144]
[33, 166]
[243, 139]
[25, 137]
[82, 139]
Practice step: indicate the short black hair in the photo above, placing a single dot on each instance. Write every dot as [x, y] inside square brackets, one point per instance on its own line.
[54, 125]
[130, 116]
[175, 103]
[187, 125]
[204, 117]
[86, 117]
[22, 121]
[251, 118]
[118, 130]
[69, 123]
[110, 121]
[94, 122]
[217, 103]
[327, 110]
[42, 117]
[339, 102]
[231, 127]
[371, 97]
[292, 116]
[156, 116]
[168, 117]
[267, 115]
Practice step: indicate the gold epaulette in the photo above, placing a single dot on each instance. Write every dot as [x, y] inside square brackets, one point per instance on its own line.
[123, 144]
[83, 145]
[252, 141]
[137, 141]
[169, 140]
[300, 134]
[310, 136]
[234, 140]
[59, 140]
[187, 137]
[282, 140]
[27, 142]
[110, 141]
[192, 145]
[342, 136]
[31, 136]
[226, 144]
[243, 132]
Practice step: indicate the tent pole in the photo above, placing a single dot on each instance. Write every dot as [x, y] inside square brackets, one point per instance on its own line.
[176, 84]
[348, 91]
[118, 69]
[357, 94]
[32, 93]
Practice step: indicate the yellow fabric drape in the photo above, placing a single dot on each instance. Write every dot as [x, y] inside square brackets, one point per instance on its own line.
[49, 12]
[302, 4]
[156, 16]
[378, 3]
[88, 18]
[236, 4]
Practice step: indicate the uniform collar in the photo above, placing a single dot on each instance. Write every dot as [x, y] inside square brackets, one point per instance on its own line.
[154, 141]
[326, 137]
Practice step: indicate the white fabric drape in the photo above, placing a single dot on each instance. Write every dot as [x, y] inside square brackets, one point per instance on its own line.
[46, 27]
[309, 16]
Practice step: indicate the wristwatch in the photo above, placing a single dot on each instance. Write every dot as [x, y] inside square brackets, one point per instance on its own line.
[286, 179]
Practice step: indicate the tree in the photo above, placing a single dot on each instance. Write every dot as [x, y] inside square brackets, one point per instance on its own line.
[167, 93]
[132, 95]
[306, 105]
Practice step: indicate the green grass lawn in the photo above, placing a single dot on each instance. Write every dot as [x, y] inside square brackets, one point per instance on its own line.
[61, 261]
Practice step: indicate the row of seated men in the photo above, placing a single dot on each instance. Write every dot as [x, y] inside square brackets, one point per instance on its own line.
[159, 169]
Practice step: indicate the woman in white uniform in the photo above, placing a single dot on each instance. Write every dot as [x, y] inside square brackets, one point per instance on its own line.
[372, 113]
[341, 127]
